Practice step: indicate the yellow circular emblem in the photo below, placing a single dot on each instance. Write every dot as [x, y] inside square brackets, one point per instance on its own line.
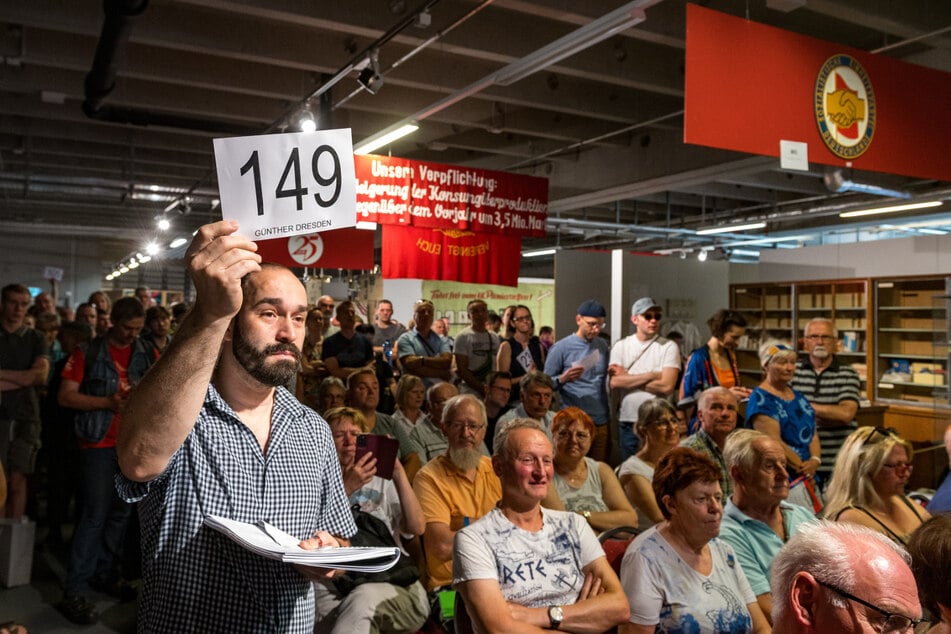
[845, 106]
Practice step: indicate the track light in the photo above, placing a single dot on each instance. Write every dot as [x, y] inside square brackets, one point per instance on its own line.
[164, 224]
[306, 123]
[370, 77]
[702, 256]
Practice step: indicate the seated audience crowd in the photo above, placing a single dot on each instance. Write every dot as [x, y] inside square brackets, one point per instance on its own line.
[495, 492]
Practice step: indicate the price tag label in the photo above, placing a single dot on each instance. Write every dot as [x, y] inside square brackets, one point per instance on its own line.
[282, 185]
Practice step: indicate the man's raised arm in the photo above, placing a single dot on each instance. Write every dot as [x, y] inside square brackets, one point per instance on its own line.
[163, 408]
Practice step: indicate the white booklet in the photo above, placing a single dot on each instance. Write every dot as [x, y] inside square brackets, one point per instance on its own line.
[271, 542]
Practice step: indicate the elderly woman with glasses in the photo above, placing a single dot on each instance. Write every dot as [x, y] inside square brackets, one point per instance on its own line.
[868, 484]
[583, 485]
[781, 412]
[678, 575]
[657, 429]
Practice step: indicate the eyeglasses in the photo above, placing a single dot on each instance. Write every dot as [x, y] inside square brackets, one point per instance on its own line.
[664, 422]
[900, 466]
[579, 435]
[519, 320]
[820, 337]
[652, 316]
[595, 324]
[457, 425]
[893, 623]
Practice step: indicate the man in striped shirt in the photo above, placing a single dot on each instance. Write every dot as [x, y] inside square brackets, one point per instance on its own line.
[831, 387]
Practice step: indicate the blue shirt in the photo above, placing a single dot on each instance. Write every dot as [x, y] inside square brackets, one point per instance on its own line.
[413, 343]
[198, 580]
[587, 392]
[755, 543]
[941, 500]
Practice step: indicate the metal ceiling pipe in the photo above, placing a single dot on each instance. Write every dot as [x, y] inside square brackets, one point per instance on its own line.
[110, 50]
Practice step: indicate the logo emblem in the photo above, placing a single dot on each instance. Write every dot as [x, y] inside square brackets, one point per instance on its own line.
[305, 250]
[845, 106]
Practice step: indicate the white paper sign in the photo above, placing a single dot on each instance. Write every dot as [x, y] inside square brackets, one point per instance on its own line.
[793, 155]
[53, 273]
[281, 185]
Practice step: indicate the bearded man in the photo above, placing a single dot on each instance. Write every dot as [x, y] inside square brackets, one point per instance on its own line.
[211, 430]
[832, 389]
[457, 487]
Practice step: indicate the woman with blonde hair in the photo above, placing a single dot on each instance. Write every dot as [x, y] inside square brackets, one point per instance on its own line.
[868, 484]
[410, 396]
[657, 429]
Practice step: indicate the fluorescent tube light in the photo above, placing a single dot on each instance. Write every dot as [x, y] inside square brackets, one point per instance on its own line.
[730, 228]
[596, 31]
[744, 253]
[539, 253]
[385, 137]
[177, 242]
[889, 210]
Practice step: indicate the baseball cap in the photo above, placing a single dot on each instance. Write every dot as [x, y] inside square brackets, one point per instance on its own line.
[643, 305]
[592, 308]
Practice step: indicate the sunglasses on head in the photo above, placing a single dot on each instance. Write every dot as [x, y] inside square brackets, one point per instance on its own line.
[887, 432]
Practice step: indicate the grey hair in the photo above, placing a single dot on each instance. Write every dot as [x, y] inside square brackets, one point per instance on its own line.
[823, 320]
[827, 551]
[501, 441]
[739, 452]
[457, 401]
[710, 391]
[648, 412]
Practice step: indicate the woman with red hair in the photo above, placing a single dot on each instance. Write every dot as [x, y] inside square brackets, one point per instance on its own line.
[583, 485]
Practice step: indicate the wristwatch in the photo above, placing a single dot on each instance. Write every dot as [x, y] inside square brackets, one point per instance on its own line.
[587, 516]
[556, 616]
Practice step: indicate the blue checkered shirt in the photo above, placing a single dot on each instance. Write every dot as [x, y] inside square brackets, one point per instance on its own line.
[196, 579]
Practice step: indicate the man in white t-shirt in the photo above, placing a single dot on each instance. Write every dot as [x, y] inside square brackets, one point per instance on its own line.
[522, 569]
[475, 350]
[642, 366]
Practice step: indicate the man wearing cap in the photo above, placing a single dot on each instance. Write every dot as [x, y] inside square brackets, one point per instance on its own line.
[578, 365]
[643, 366]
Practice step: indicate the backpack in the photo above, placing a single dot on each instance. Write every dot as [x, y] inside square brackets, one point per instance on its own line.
[372, 531]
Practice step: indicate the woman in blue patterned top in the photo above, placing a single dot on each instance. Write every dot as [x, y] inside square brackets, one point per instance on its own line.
[779, 411]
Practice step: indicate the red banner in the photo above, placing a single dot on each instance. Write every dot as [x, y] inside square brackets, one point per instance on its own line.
[748, 86]
[338, 249]
[399, 191]
[450, 254]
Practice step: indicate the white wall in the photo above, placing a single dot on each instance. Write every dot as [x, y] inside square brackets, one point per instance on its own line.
[925, 255]
[581, 275]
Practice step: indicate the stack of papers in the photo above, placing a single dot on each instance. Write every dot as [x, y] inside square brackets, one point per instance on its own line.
[271, 542]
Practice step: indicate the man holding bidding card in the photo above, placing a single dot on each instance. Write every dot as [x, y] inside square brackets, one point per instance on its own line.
[212, 430]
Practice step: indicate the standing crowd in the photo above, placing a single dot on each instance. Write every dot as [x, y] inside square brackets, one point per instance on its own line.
[755, 506]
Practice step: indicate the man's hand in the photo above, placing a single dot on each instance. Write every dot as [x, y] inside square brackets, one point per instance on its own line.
[616, 370]
[591, 588]
[217, 260]
[808, 468]
[321, 539]
[359, 473]
[571, 374]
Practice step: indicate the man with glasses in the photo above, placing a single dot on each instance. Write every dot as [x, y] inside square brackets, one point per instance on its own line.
[843, 578]
[643, 366]
[498, 388]
[578, 364]
[832, 389]
[457, 487]
[422, 351]
[757, 520]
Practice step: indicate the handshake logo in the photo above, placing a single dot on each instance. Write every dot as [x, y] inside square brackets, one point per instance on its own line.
[845, 106]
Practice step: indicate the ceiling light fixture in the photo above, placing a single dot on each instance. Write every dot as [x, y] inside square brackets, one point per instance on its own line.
[164, 224]
[731, 228]
[385, 137]
[306, 123]
[539, 253]
[616, 21]
[890, 210]
[152, 248]
[702, 256]
[177, 242]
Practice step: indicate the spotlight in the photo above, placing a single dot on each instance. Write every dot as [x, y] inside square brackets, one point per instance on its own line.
[306, 123]
[151, 248]
[702, 256]
[164, 224]
[123, 269]
[370, 77]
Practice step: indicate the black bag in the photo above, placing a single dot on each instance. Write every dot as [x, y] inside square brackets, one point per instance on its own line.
[372, 531]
